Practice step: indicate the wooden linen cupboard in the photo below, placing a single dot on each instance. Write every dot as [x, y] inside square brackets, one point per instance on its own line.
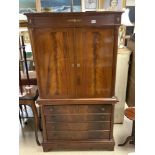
[75, 58]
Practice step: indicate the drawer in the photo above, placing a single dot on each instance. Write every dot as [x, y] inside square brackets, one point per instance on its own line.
[77, 118]
[73, 19]
[52, 22]
[76, 109]
[78, 135]
[78, 126]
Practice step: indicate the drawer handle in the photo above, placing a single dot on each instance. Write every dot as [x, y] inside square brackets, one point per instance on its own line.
[71, 20]
[51, 109]
[93, 21]
[78, 20]
[74, 20]
[102, 109]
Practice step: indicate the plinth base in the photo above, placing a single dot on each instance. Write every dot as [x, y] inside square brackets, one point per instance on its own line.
[61, 145]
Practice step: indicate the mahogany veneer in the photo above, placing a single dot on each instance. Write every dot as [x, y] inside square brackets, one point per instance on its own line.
[75, 59]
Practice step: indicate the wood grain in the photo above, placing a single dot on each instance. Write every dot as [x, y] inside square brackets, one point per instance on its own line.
[78, 135]
[75, 59]
[94, 53]
[77, 109]
[55, 58]
[78, 126]
[79, 145]
[77, 117]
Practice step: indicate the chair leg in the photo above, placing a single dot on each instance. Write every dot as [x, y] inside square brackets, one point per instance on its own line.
[127, 139]
[26, 111]
[35, 114]
[22, 113]
[20, 119]
[21, 109]
[40, 123]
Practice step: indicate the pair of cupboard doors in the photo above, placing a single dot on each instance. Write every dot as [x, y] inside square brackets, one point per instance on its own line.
[74, 62]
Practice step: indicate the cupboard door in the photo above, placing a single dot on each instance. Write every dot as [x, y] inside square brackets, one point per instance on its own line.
[54, 58]
[94, 57]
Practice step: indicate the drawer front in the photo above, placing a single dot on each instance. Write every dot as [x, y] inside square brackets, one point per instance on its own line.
[76, 20]
[53, 22]
[78, 118]
[78, 126]
[77, 109]
[77, 135]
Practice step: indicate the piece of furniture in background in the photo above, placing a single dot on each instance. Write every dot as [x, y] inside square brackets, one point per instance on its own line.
[23, 31]
[130, 28]
[28, 98]
[130, 114]
[75, 57]
[22, 111]
[123, 58]
[129, 32]
[128, 24]
[130, 95]
[121, 36]
[28, 92]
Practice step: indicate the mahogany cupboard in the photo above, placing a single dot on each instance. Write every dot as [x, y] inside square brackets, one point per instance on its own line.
[75, 57]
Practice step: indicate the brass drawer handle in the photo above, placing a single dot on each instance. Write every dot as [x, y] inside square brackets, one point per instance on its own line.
[93, 21]
[51, 109]
[78, 20]
[102, 109]
[71, 20]
[74, 20]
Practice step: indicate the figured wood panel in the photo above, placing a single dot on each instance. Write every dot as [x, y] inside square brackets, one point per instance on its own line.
[54, 58]
[94, 59]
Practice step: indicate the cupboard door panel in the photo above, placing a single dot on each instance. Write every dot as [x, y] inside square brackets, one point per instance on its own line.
[94, 57]
[54, 57]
